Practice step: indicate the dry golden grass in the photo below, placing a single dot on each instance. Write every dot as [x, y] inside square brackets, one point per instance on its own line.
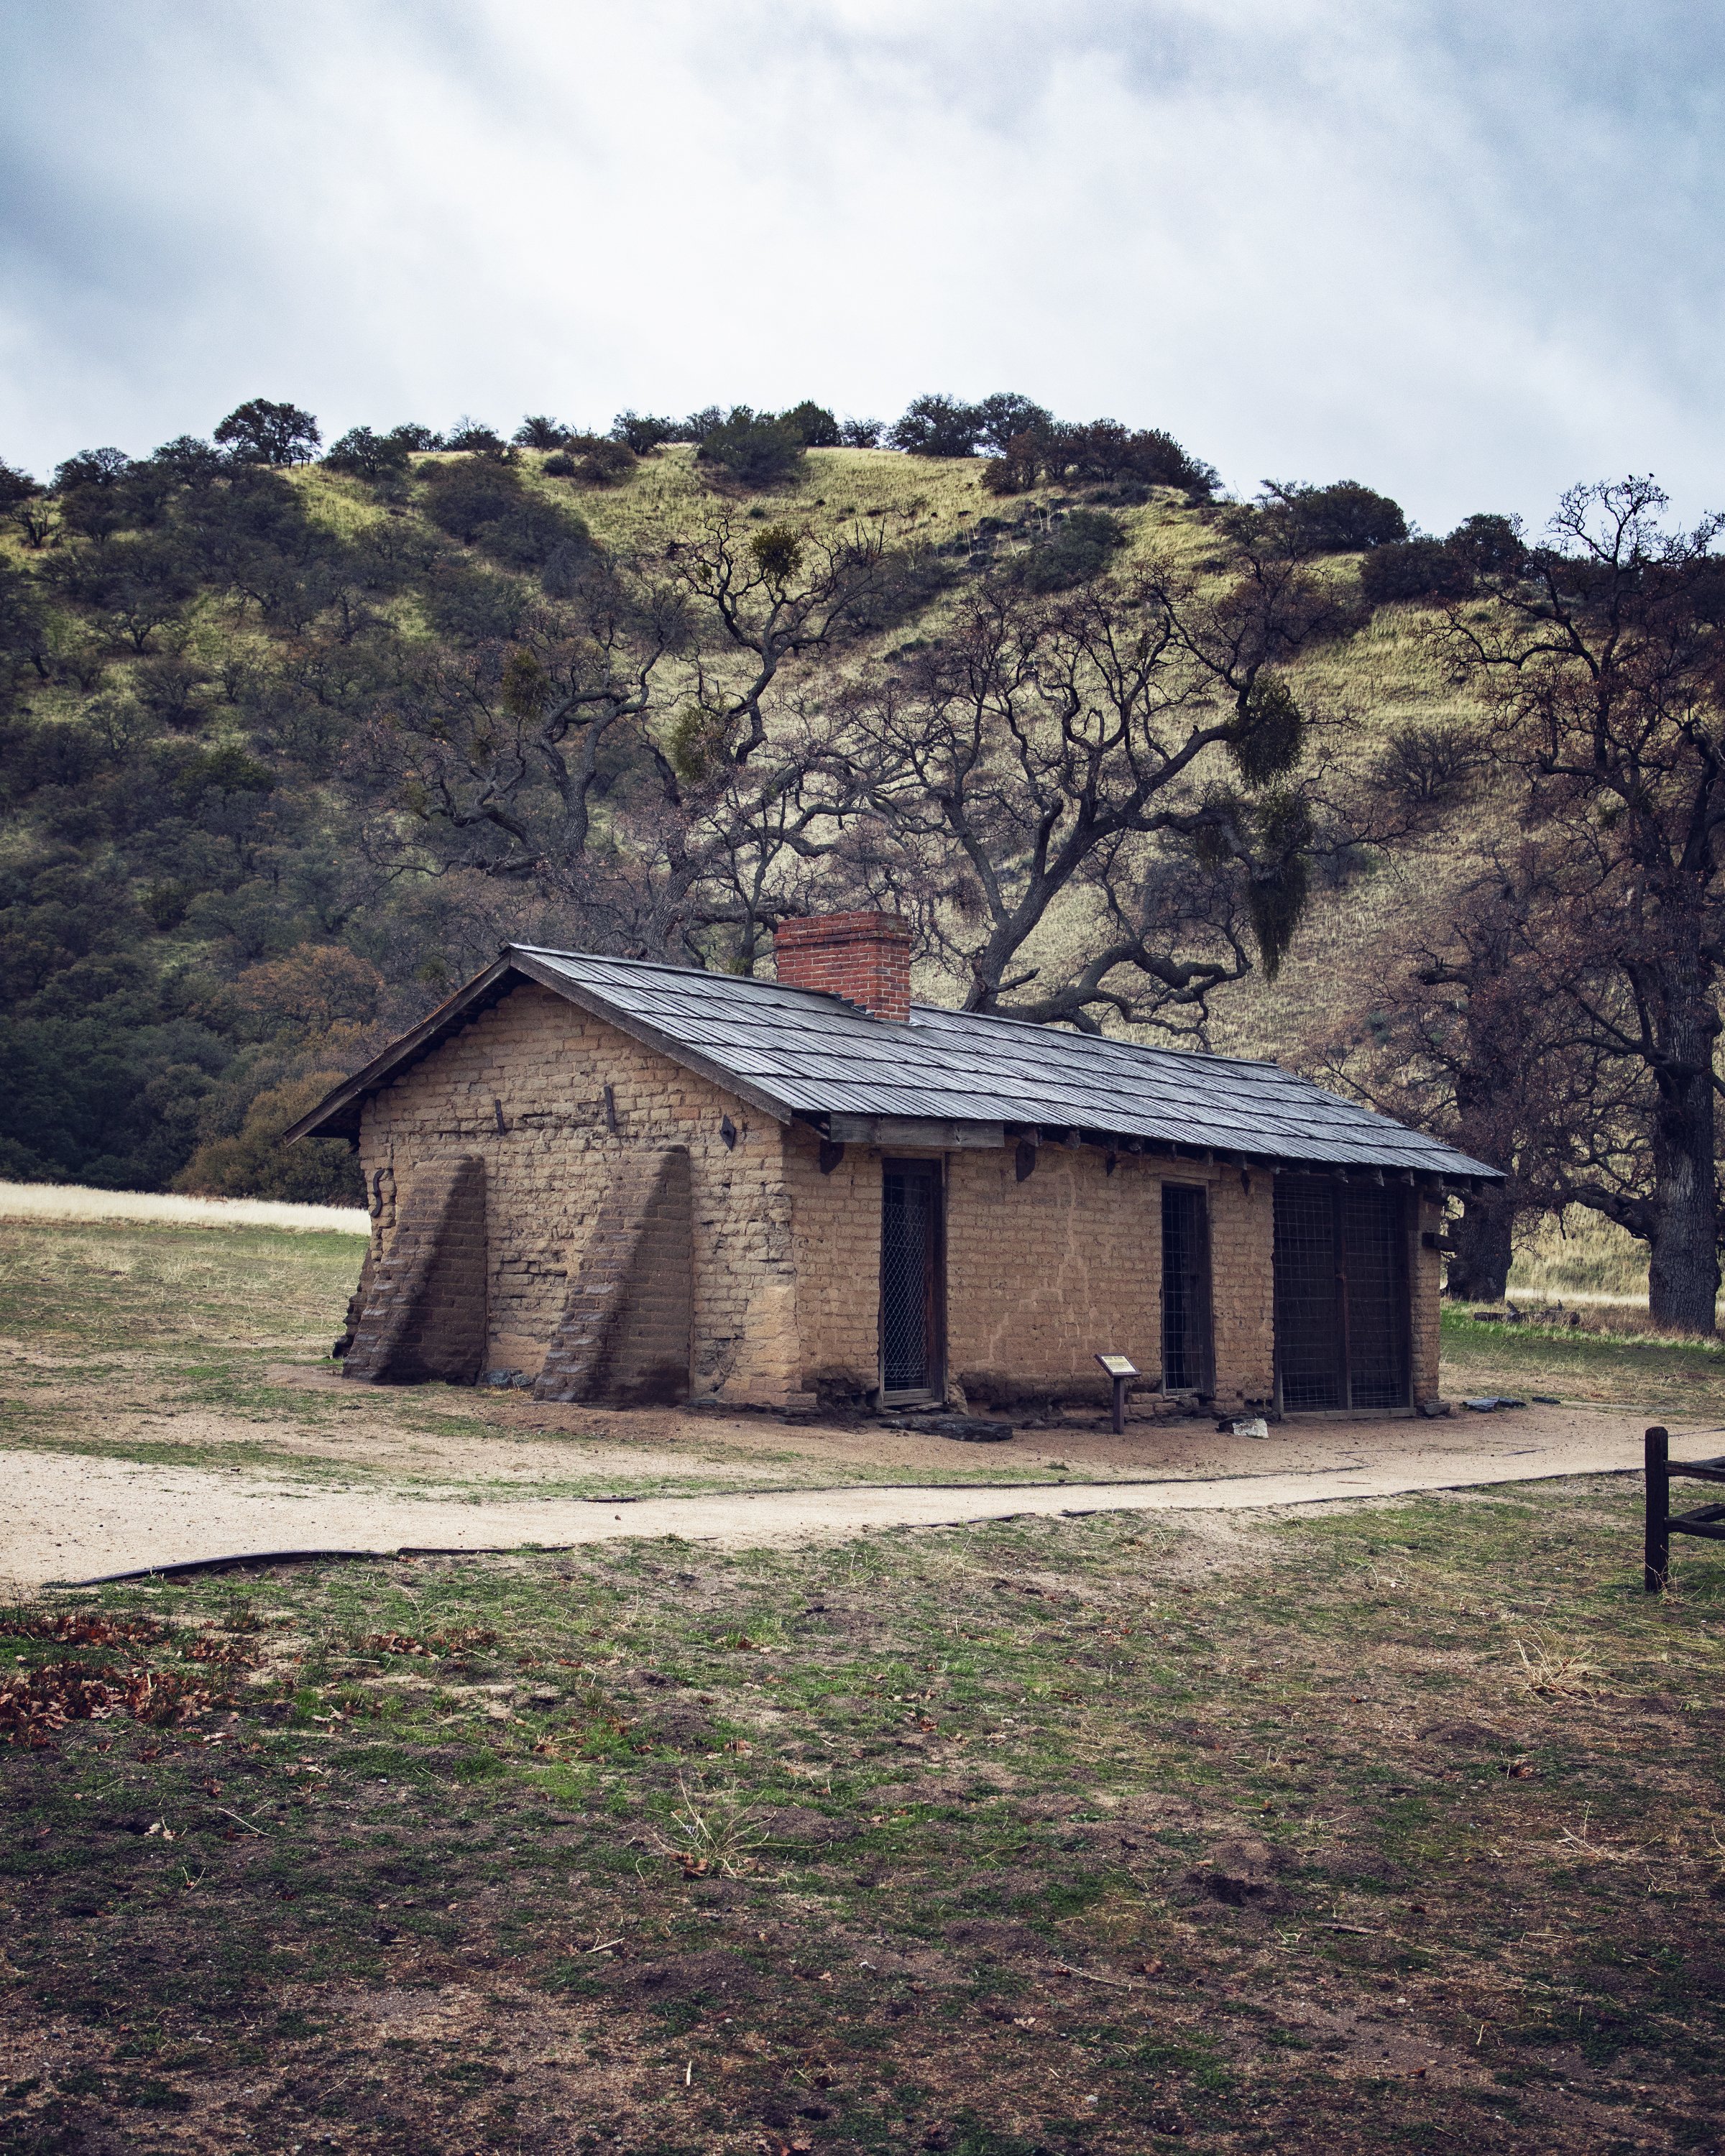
[1553, 1669]
[926, 498]
[1580, 1256]
[714, 1831]
[66, 1201]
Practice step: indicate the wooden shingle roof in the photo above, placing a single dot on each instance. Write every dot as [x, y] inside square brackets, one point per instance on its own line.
[946, 1077]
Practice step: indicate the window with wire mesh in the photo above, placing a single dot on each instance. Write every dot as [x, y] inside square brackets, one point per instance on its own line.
[1374, 1234]
[906, 1265]
[1185, 1290]
[1308, 1329]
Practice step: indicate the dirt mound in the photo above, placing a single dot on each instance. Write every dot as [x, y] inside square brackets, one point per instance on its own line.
[1242, 1873]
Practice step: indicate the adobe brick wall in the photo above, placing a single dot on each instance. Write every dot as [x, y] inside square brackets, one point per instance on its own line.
[836, 1224]
[1042, 1276]
[380, 1204]
[546, 1065]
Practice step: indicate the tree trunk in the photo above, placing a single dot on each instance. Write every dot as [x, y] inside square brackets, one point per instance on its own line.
[1683, 1272]
[1479, 1270]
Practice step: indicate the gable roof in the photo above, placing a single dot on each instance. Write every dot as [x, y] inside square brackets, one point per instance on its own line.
[804, 1053]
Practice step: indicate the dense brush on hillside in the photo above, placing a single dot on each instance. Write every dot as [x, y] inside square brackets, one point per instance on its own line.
[220, 885]
[290, 745]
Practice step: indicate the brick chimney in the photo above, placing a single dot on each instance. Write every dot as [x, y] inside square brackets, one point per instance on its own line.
[865, 957]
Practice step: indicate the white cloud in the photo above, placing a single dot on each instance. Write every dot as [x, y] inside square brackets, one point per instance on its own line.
[1466, 258]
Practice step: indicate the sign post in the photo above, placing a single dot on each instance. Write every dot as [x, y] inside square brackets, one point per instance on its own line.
[1122, 1370]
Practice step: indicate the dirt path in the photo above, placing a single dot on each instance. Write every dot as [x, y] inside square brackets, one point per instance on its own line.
[68, 1518]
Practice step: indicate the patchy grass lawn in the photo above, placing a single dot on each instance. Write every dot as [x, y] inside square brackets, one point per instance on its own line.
[1394, 1828]
[166, 1344]
[1664, 1376]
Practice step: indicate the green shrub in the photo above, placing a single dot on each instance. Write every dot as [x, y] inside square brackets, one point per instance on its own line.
[754, 450]
[362, 455]
[1078, 549]
[1413, 569]
[1344, 518]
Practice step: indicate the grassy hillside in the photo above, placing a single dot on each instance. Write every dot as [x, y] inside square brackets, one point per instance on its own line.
[199, 920]
[1387, 676]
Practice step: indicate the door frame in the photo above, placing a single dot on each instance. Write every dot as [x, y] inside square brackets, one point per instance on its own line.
[933, 1168]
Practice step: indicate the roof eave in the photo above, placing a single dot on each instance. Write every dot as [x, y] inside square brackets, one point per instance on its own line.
[856, 1126]
[331, 1118]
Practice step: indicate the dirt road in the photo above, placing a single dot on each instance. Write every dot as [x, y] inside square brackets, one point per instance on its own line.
[71, 1517]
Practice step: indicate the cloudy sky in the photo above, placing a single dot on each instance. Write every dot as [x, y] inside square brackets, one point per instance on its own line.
[1467, 250]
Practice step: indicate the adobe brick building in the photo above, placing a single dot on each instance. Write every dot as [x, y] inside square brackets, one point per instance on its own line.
[624, 1182]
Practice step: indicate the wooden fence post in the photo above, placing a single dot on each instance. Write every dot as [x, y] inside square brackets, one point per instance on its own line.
[1657, 1554]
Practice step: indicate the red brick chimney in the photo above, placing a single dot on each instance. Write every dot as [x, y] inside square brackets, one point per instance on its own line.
[865, 957]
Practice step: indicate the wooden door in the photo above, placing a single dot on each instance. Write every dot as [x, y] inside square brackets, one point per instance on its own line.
[1186, 1358]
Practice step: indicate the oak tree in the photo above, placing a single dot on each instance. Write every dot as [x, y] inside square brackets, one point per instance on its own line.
[1602, 653]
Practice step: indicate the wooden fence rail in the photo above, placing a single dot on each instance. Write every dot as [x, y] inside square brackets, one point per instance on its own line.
[1662, 1524]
